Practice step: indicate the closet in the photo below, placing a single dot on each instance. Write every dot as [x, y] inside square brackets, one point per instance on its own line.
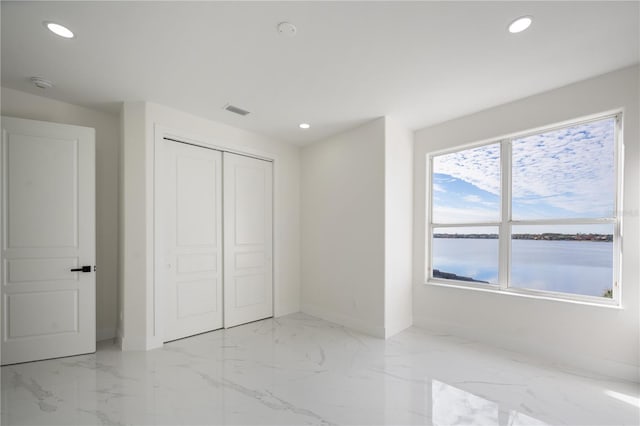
[214, 233]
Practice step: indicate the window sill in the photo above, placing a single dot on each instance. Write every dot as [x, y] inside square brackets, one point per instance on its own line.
[525, 294]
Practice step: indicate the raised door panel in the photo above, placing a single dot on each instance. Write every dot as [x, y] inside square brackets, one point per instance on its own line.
[42, 193]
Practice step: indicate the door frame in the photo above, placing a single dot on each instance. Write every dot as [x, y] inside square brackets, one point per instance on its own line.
[156, 316]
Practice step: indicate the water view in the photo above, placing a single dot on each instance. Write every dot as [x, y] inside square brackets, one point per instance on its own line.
[577, 267]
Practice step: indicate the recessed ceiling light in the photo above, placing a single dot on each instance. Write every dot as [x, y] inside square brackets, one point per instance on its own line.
[58, 29]
[520, 24]
[304, 125]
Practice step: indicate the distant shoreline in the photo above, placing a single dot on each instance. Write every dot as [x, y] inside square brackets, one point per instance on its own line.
[534, 237]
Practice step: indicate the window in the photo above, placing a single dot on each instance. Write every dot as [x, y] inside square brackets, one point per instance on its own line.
[536, 213]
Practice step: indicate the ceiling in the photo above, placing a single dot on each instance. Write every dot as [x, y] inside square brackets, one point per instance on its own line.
[420, 62]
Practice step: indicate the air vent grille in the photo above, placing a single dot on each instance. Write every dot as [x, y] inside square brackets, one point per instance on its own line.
[234, 109]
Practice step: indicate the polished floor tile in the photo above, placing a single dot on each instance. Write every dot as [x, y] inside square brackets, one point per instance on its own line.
[298, 370]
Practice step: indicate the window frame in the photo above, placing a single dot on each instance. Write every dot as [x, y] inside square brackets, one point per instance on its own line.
[506, 223]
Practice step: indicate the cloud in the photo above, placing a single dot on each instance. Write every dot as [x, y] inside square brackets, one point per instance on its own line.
[472, 198]
[563, 173]
[477, 166]
[571, 168]
[449, 214]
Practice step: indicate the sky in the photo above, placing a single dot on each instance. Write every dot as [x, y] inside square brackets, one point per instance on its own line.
[561, 174]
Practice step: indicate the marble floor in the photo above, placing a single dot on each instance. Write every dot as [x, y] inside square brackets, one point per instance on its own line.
[298, 370]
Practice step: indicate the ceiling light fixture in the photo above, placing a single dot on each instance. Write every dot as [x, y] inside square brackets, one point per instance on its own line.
[59, 30]
[520, 24]
[304, 125]
[287, 29]
[41, 82]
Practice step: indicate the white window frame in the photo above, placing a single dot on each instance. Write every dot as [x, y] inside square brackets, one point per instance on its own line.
[506, 222]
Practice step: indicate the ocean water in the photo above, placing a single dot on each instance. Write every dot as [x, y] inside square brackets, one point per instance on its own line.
[577, 267]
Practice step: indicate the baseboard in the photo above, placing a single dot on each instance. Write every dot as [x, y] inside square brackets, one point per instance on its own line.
[139, 343]
[105, 334]
[393, 329]
[347, 321]
[280, 312]
[573, 363]
[133, 344]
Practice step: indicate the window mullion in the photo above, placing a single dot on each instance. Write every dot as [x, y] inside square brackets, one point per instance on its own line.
[618, 237]
[504, 258]
[429, 222]
[464, 224]
[580, 221]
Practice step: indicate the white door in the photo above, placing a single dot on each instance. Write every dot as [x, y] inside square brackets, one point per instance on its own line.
[248, 236]
[47, 233]
[189, 247]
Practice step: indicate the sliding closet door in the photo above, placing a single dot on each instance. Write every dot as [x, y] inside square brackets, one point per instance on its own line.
[189, 229]
[248, 236]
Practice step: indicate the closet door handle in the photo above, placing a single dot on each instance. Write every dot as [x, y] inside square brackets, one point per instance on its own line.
[83, 269]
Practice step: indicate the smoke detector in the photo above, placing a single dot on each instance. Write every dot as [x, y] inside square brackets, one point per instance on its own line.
[41, 82]
[287, 29]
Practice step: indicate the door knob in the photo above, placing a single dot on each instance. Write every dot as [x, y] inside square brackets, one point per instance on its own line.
[83, 269]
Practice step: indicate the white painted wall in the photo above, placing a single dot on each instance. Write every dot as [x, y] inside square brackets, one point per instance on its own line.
[398, 290]
[343, 228]
[599, 339]
[356, 228]
[141, 122]
[25, 105]
[134, 259]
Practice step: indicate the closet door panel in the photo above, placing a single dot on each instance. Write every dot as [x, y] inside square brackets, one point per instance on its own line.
[248, 239]
[189, 214]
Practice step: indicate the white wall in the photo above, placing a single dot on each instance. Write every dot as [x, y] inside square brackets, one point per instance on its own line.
[133, 229]
[600, 339]
[24, 105]
[398, 312]
[141, 122]
[343, 228]
[356, 228]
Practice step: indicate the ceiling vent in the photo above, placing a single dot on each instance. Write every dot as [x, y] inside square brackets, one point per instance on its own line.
[235, 110]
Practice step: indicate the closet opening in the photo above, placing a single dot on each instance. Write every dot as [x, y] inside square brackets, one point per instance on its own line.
[213, 238]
